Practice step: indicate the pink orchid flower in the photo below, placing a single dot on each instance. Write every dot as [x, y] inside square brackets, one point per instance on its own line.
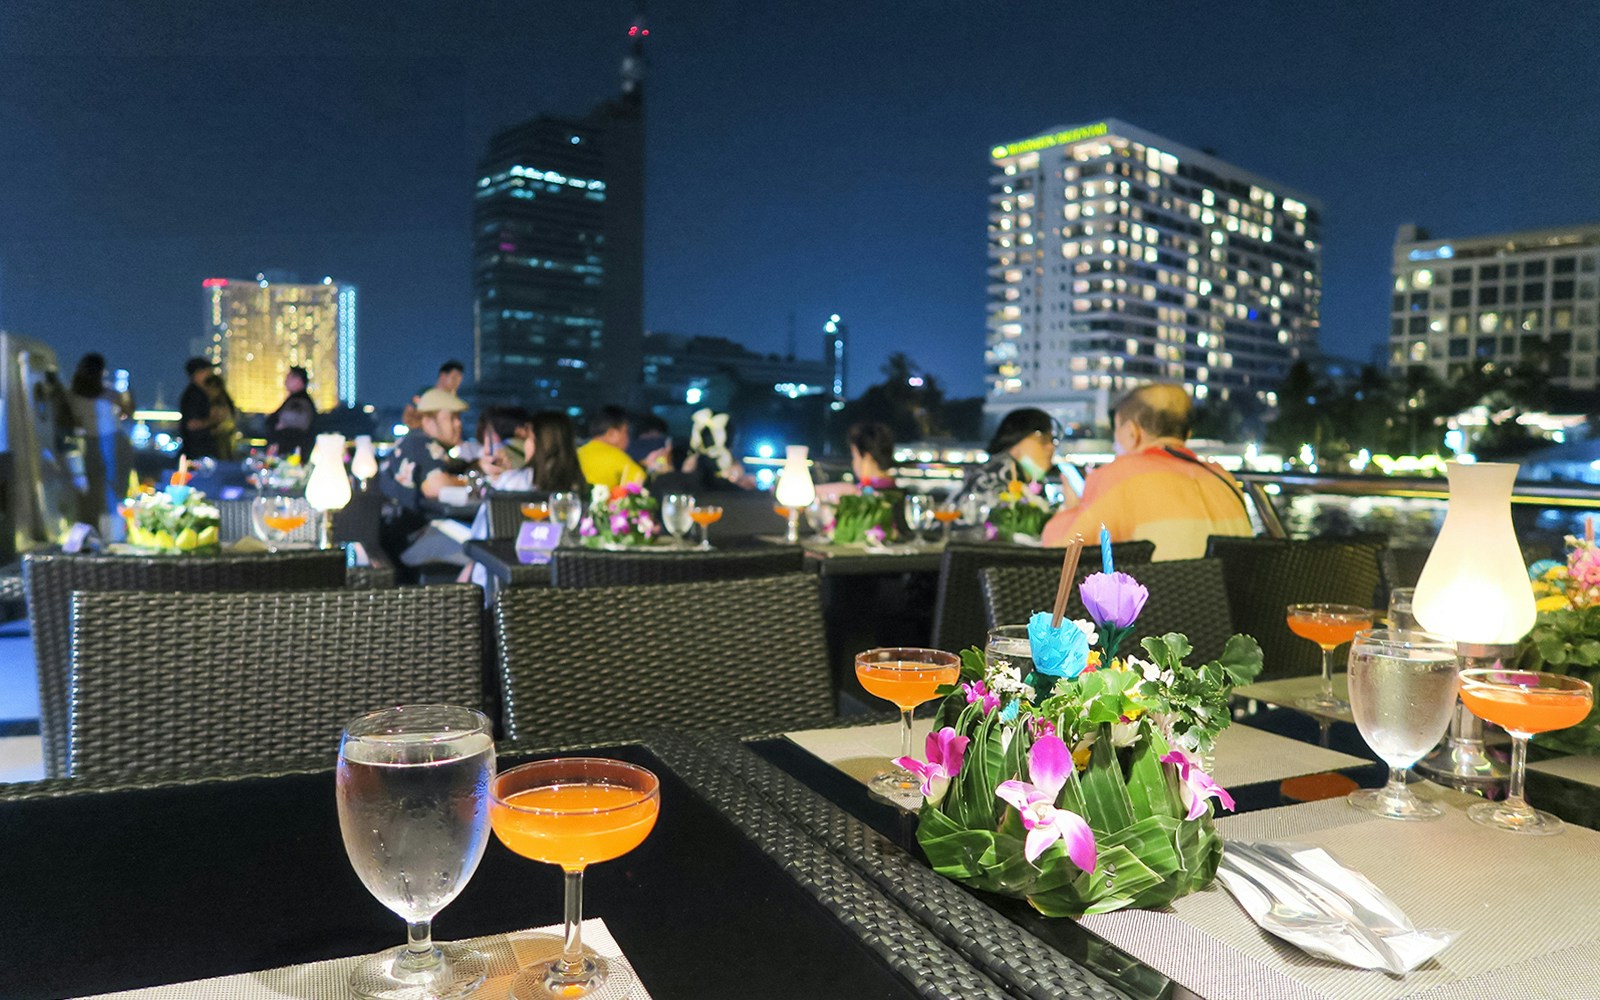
[619, 524]
[1197, 785]
[1049, 763]
[1038, 727]
[979, 692]
[945, 750]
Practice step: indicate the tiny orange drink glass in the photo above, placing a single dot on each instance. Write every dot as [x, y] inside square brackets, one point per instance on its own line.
[908, 677]
[1329, 626]
[705, 517]
[1522, 702]
[284, 522]
[573, 812]
[536, 511]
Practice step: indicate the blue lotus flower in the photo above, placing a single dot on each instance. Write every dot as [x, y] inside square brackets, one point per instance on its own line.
[1057, 652]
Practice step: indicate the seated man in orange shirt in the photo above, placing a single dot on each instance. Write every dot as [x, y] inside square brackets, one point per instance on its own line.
[1156, 489]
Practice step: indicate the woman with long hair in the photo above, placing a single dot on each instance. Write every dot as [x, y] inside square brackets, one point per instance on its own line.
[555, 453]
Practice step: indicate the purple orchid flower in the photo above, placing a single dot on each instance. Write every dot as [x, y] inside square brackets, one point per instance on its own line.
[1197, 785]
[633, 488]
[945, 750]
[876, 535]
[979, 692]
[990, 532]
[1049, 764]
[1113, 599]
[619, 524]
[586, 528]
[647, 524]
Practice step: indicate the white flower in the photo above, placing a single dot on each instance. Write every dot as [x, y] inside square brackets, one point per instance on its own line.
[599, 496]
[1087, 628]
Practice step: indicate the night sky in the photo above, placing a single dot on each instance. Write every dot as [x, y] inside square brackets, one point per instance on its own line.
[803, 158]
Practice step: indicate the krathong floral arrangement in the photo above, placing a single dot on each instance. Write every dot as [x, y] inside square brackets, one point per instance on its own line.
[1074, 779]
[620, 515]
[867, 517]
[177, 519]
[1021, 511]
[1566, 635]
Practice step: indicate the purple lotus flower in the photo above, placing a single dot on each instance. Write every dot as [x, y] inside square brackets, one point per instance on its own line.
[1049, 764]
[1197, 786]
[586, 528]
[1113, 599]
[1062, 651]
[945, 750]
[619, 524]
[979, 692]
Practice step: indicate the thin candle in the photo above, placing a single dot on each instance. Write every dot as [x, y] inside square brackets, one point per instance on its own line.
[1105, 550]
[1588, 528]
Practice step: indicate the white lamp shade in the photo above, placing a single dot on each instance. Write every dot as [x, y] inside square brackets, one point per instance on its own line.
[365, 463]
[1474, 587]
[327, 487]
[795, 488]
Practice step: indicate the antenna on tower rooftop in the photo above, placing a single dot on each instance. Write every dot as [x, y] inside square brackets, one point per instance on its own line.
[634, 63]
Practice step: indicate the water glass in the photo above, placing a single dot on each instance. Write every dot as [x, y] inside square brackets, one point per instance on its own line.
[1402, 693]
[821, 516]
[1008, 649]
[566, 509]
[1400, 615]
[412, 787]
[919, 515]
[677, 516]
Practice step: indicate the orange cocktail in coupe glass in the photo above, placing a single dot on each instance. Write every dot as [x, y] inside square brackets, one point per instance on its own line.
[947, 514]
[1522, 703]
[705, 517]
[1329, 626]
[536, 511]
[573, 812]
[908, 677]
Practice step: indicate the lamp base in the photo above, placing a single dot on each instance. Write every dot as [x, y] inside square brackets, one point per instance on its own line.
[1462, 758]
[325, 532]
[793, 536]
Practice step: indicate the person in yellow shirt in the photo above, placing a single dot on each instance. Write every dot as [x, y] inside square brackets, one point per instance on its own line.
[604, 457]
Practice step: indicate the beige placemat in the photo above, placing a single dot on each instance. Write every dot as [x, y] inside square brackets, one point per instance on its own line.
[330, 980]
[1244, 755]
[1288, 690]
[1523, 906]
[1581, 767]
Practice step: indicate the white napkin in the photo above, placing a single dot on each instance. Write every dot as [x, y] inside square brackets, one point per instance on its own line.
[1339, 939]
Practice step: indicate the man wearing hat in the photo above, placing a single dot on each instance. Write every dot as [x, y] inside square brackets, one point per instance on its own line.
[414, 474]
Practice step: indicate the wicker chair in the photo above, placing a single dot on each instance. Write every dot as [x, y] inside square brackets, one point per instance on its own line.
[733, 656]
[1186, 595]
[274, 676]
[50, 580]
[958, 618]
[505, 511]
[594, 568]
[1266, 575]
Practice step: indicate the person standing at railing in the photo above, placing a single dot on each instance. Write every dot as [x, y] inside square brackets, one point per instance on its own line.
[1156, 489]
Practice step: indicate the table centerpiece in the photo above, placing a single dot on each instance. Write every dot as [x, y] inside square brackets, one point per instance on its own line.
[620, 517]
[178, 519]
[1566, 634]
[865, 518]
[1079, 785]
[1019, 513]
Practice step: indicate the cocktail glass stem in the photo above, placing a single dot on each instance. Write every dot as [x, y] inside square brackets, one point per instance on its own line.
[905, 732]
[571, 970]
[420, 954]
[705, 536]
[1327, 674]
[1515, 801]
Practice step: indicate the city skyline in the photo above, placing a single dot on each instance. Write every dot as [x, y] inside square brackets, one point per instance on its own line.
[801, 162]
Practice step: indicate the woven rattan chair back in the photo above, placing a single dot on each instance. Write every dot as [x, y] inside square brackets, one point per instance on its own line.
[958, 615]
[1266, 575]
[1186, 595]
[731, 656]
[50, 580]
[596, 568]
[260, 677]
[505, 511]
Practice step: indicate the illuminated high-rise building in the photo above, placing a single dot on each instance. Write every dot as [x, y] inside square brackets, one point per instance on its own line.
[259, 328]
[1525, 298]
[1118, 257]
[558, 255]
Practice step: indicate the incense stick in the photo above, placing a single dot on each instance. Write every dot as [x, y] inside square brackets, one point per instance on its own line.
[1069, 570]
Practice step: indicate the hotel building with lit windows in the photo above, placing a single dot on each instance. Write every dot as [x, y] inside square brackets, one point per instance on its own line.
[258, 328]
[1118, 257]
[1507, 299]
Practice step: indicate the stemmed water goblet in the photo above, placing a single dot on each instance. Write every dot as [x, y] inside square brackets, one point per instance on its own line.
[573, 812]
[677, 516]
[919, 515]
[275, 517]
[1523, 702]
[412, 791]
[1402, 693]
[566, 509]
[705, 516]
[1329, 626]
[1400, 614]
[821, 514]
[908, 677]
